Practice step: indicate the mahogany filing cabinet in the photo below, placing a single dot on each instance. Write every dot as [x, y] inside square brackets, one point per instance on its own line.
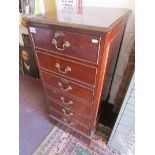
[76, 60]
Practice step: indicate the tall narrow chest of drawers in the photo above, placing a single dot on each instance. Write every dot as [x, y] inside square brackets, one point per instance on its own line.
[76, 60]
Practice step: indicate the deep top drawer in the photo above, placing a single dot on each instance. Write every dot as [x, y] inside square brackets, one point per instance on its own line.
[80, 46]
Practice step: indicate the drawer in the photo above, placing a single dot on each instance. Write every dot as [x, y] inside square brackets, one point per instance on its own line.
[67, 68]
[67, 86]
[70, 114]
[82, 107]
[72, 44]
[59, 117]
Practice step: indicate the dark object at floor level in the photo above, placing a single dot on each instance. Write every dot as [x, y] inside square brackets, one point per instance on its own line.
[108, 117]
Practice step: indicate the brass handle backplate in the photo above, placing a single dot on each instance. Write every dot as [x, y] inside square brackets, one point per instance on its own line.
[67, 69]
[70, 123]
[67, 113]
[64, 89]
[66, 44]
[67, 103]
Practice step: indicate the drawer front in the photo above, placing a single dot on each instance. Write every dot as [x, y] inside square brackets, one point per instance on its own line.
[82, 107]
[67, 68]
[72, 44]
[69, 114]
[67, 86]
[69, 122]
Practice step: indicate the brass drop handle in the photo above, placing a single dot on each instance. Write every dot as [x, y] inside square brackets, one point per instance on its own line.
[67, 69]
[67, 113]
[67, 103]
[66, 89]
[66, 44]
[71, 123]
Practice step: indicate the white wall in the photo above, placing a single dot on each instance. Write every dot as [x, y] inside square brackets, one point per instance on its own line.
[22, 30]
[127, 41]
[110, 3]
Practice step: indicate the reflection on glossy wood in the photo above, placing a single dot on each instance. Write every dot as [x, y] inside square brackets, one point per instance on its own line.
[94, 18]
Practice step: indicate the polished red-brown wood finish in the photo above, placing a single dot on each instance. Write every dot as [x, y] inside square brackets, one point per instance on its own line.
[80, 45]
[67, 68]
[67, 121]
[69, 113]
[76, 104]
[75, 60]
[67, 86]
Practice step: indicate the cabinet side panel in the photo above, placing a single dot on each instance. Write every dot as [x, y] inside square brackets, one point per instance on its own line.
[114, 50]
[109, 48]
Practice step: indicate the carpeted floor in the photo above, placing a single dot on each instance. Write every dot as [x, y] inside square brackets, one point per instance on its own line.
[64, 141]
[34, 122]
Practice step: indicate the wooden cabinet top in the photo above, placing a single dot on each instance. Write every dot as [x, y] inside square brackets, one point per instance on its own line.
[90, 18]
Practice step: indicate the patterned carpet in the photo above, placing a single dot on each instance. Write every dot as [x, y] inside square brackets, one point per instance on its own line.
[64, 141]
